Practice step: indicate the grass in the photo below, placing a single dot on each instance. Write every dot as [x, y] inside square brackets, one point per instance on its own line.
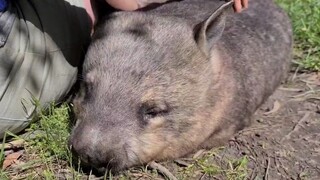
[46, 148]
[54, 131]
[305, 16]
[50, 140]
[47, 152]
[3, 174]
[229, 168]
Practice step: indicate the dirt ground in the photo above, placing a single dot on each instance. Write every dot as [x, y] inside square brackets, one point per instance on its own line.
[282, 143]
[284, 140]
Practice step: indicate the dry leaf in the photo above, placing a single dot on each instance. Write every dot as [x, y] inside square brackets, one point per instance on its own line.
[11, 159]
[276, 107]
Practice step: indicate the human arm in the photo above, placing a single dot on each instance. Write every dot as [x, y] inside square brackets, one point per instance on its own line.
[131, 5]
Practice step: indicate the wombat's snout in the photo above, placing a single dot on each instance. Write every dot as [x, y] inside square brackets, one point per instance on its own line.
[86, 144]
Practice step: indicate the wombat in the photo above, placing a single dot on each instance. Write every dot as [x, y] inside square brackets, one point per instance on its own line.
[172, 79]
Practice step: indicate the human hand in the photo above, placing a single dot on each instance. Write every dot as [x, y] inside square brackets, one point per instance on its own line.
[239, 5]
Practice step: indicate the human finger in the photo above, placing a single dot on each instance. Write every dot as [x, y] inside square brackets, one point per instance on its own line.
[245, 3]
[237, 6]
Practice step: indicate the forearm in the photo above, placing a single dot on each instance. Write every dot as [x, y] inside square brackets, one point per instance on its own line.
[131, 5]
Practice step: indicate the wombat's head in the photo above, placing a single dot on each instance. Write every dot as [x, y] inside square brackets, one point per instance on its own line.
[144, 94]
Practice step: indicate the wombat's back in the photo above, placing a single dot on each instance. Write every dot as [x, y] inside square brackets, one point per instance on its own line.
[260, 44]
[255, 48]
[257, 42]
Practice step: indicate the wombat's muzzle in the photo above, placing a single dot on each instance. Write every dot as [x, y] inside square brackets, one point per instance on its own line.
[97, 151]
[101, 165]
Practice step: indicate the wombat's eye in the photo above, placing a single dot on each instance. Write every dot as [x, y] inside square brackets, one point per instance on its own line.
[151, 110]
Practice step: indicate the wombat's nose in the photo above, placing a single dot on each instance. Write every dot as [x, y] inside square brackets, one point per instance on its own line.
[101, 159]
[83, 150]
[83, 143]
[79, 148]
[96, 150]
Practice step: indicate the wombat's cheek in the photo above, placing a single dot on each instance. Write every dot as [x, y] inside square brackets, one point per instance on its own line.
[155, 145]
[146, 148]
[141, 148]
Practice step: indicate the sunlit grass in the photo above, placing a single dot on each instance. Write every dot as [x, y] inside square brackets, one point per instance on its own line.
[305, 16]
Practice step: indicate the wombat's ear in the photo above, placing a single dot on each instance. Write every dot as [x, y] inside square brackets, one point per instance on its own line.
[210, 30]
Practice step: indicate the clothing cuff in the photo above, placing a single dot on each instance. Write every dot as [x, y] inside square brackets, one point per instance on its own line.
[3, 5]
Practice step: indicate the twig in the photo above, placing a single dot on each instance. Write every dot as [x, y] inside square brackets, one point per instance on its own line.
[283, 168]
[253, 175]
[14, 144]
[266, 176]
[250, 130]
[182, 163]
[310, 82]
[305, 93]
[310, 87]
[295, 74]
[198, 154]
[162, 170]
[297, 126]
[290, 89]
[314, 98]
[202, 176]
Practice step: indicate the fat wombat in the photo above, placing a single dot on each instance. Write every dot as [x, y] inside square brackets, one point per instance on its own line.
[168, 80]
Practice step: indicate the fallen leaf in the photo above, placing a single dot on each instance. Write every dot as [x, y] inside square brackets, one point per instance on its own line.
[276, 107]
[11, 159]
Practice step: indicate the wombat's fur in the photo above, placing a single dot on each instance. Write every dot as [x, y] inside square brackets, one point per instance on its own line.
[185, 75]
